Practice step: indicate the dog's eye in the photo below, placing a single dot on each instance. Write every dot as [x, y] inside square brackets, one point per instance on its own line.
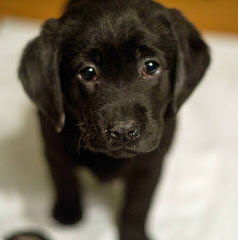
[150, 67]
[88, 74]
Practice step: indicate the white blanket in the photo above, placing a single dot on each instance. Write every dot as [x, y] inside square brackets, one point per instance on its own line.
[197, 198]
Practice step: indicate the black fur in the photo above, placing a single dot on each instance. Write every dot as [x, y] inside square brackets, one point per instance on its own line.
[87, 123]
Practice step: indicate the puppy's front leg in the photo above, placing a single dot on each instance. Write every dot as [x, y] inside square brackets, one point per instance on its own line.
[139, 188]
[67, 209]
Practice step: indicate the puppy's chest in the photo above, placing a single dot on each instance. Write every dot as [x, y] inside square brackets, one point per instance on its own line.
[103, 167]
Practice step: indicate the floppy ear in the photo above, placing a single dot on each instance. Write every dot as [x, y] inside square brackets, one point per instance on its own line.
[192, 57]
[39, 75]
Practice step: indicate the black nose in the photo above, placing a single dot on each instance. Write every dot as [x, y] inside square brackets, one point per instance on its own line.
[124, 130]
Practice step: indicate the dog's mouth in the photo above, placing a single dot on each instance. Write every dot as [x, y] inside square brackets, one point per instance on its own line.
[95, 142]
[122, 153]
[146, 145]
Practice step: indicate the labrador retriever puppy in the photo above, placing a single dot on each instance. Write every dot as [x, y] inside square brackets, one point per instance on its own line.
[108, 78]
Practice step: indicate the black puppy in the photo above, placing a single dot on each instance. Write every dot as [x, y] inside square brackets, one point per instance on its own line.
[108, 78]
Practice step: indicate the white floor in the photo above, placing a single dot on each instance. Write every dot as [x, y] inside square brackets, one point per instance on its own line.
[198, 195]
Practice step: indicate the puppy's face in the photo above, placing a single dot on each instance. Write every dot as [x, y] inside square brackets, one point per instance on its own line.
[120, 67]
[116, 77]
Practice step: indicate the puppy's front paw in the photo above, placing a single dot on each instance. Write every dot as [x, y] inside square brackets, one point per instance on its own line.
[133, 235]
[135, 238]
[67, 212]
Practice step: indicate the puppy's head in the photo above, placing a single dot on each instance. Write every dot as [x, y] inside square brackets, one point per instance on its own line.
[119, 67]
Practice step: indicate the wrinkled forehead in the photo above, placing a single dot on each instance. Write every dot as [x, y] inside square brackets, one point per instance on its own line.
[116, 29]
[119, 36]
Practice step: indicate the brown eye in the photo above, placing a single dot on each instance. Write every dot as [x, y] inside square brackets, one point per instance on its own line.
[88, 74]
[150, 67]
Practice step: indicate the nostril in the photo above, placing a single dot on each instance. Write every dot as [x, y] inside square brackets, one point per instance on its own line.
[133, 133]
[114, 134]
